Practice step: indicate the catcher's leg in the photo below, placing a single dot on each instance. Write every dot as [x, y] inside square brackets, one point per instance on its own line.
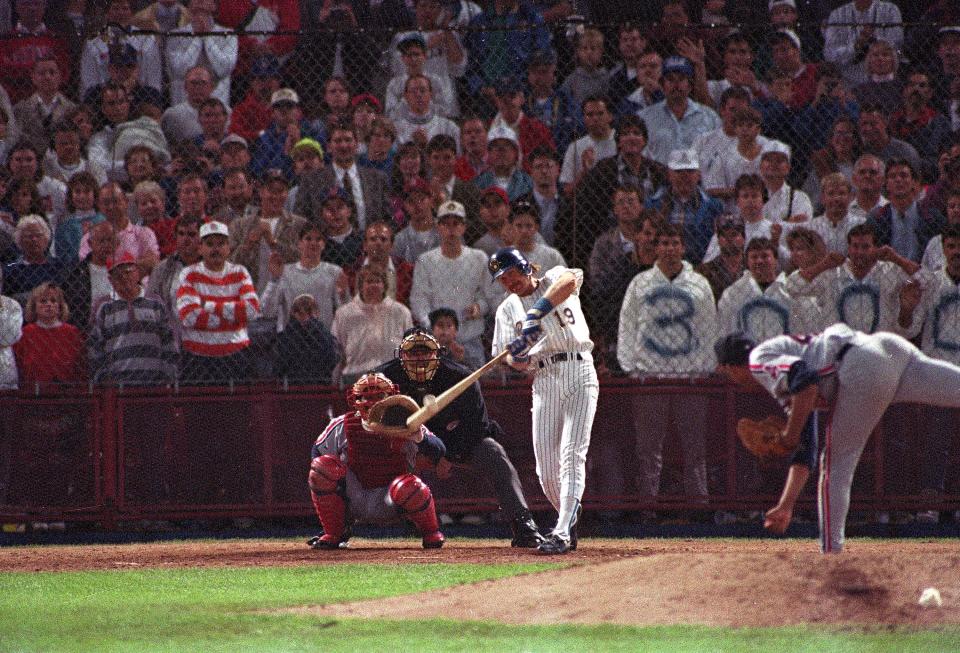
[413, 499]
[326, 474]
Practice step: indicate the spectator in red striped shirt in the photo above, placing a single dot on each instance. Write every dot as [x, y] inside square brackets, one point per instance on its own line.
[216, 301]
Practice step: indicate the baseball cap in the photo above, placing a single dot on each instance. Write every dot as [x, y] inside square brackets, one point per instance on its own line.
[453, 208]
[366, 98]
[274, 174]
[949, 29]
[284, 95]
[734, 349]
[122, 54]
[495, 190]
[677, 65]
[509, 85]
[542, 58]
[308, 144]
[683, 160]
[502, 132]
[411, 38]
[234, 139]
[416, 185]
[214, 228]
[266, 65]
[124, 259]
[523, 206]
[774, 3]
[788, 34]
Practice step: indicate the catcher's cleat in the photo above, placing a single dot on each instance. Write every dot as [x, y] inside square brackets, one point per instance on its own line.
[325, 542]
[554, 545]
[433, 540]
[525, 533]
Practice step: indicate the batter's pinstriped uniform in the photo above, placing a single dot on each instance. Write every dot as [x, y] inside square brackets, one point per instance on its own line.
[565, 391]
[858, 375]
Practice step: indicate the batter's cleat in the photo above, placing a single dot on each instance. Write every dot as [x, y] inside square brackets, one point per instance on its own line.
[574, 527]
[554, 545]
[326, 542]
[433, 540]
[525, 533]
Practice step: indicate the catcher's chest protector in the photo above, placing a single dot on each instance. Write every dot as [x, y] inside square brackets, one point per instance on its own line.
[375, 459]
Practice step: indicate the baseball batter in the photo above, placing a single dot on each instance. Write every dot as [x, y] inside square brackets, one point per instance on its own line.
[542, 325]
[361, 476]
[855, 376]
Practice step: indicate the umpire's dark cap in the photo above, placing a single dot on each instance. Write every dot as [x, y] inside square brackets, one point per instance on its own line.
[734, 349]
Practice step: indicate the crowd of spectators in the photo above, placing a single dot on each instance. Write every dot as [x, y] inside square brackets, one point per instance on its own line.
[215, 191]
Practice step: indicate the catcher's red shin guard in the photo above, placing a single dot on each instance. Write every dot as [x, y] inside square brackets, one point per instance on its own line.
[413, 499]
[326, 473]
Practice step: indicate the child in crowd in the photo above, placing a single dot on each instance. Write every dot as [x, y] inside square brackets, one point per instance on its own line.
[306, 350]
[444, 325]
[83, 192]
[50, 350]
[589, 77]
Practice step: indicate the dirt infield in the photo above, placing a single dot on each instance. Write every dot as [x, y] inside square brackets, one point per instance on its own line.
[703, 581]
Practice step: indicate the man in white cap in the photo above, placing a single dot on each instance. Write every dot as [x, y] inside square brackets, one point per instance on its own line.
[682, 201]
[676, 121]
[216, 300]
[503, 156]
[453, 276]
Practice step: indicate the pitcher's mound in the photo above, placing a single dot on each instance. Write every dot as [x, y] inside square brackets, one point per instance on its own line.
[717, 583]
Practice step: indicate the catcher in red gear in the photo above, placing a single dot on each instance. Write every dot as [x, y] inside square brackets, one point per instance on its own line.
[358, 476]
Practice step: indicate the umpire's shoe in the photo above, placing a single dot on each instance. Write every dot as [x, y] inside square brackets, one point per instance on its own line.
[525, 533]
[554, 545]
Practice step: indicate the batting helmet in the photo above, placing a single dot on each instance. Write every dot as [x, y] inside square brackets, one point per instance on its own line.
[368, 390]
[508, 257]
[419, 353]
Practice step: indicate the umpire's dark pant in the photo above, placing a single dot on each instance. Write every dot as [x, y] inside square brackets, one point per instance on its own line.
[490, 460]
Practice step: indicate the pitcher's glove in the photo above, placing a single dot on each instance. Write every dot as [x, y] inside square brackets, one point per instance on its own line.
[389, 417]
[763, 438]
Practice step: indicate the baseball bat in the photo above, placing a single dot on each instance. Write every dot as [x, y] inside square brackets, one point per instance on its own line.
[430, 409]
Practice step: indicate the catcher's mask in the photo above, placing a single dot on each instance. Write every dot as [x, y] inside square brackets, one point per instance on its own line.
[419, 353]
[368, 390]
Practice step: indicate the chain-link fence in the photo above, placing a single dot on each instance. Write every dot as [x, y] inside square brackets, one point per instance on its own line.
[762, 145]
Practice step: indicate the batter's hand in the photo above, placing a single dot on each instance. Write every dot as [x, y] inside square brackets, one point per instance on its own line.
[777, 519]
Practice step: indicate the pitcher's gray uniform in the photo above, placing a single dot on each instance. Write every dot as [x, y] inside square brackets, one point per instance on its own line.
[858, 375]
[565, 391]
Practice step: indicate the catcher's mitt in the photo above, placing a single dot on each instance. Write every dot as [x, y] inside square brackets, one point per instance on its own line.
[763, 438]
[389, 417]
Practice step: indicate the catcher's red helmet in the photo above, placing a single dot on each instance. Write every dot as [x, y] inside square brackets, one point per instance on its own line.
[368, 390]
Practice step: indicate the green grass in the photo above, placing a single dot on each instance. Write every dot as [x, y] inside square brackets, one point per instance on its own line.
[212, 610]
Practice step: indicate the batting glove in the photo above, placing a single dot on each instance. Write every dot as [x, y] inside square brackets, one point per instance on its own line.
[519, 347]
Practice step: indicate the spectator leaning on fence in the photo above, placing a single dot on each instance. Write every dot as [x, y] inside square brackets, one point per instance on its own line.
[131, 341]
[306, 350]
[50, 350]
[216, 301]
[668, 322]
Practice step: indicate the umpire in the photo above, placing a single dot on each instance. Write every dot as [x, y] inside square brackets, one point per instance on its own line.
[464, 426]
